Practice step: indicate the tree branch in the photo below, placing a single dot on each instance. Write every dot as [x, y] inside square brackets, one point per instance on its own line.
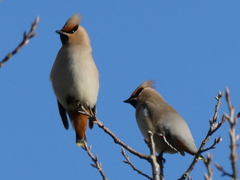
[214, 126]
[127, 161]
[26, 38]
[233, 140]
[224, 173]
[153, 158]
[150, 158]
[96, 164]
[118, 141]
[233, 137]
[207, 163]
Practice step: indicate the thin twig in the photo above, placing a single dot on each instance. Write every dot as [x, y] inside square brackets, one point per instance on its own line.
[233, 137]
[118, 141]
[83, 110]
[214, 126]
[153, 158]
[96, 164]
[224, 173]
[233, 140]
[207, 163]
[127, 161]
[216, 141]
[26, 38]
[150, 158]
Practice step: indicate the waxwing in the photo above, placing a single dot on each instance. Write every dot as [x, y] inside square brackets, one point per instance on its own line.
[74, 77]
[171, 132]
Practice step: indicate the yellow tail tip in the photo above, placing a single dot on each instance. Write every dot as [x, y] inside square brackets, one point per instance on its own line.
[80, 144]
[202, 158]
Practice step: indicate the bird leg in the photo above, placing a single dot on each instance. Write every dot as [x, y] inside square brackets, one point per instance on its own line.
[161, 161]
[146, 141]
[160, 158]
[90, 112]
[93, 113]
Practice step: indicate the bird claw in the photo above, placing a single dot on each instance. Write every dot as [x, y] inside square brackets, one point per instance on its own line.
[88, 112]
[160, 159]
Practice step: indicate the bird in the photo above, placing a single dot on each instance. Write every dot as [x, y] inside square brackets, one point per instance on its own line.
[238, 115]
[171, 133]
[75, 78]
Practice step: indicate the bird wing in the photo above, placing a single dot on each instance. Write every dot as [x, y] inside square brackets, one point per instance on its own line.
[178, 133]
[63, 115]
[91, 120]
[156, 111]
[174, 143]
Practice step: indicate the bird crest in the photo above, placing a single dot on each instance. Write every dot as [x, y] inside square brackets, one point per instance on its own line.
[144, 85]
[72, 22]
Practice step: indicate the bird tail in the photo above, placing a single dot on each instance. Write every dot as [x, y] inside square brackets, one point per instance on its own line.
[80, 142]
[202, 158]
[79, 122]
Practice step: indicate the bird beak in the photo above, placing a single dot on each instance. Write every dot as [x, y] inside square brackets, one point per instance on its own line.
[132, 101]
[128, 100]
[61, 32]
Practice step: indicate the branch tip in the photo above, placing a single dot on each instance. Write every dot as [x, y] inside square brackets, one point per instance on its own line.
[26, 37]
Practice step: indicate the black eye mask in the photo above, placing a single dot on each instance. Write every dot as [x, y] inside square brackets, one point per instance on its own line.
[73, 30]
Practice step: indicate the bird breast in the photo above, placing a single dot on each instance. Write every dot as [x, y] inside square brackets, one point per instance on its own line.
[143, 120]
[74, 74]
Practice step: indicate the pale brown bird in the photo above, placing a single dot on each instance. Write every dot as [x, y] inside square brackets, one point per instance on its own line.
[74, 77]
[171, 132]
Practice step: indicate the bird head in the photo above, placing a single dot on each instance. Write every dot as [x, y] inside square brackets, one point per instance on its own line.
[72, 33]
[136, 96]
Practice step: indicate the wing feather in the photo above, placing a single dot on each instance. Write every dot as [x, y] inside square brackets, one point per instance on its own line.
[63, 115]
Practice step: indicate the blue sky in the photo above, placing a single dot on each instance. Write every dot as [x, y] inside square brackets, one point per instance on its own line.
[191, 49]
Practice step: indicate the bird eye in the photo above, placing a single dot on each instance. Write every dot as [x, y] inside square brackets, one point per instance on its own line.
[73, 30]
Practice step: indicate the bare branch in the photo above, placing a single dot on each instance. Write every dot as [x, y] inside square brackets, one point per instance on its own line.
[207, 163]
[233, 137]
[216, 141]
[26, 38]
[153, 158]
[118, 141]
[224, 173]
[96, 164]
[91, 115]
[150, 158]
[214, 126]
[127, 161]
[233, 140]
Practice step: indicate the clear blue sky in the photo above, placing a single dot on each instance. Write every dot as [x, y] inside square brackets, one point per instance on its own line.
[191, 49]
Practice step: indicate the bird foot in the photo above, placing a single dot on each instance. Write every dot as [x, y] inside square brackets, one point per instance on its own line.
[86, 111]
[146, 141]
[160, 159]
